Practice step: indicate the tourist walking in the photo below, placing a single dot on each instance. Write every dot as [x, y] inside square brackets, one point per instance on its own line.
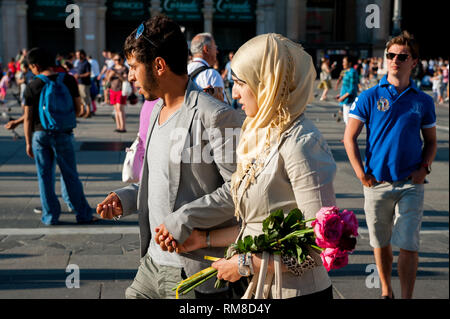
[325, 77]
[116, 76]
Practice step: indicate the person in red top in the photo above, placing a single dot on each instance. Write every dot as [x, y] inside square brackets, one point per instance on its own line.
[12, 66]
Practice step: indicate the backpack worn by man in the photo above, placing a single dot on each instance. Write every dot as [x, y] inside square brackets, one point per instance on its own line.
[56, 108]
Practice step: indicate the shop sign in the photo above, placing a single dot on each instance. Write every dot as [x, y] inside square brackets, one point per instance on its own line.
[185, 10]
[235, 10]
[127, 10]
[48, 9]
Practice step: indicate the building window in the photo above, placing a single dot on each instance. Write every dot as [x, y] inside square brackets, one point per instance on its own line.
[320, 20]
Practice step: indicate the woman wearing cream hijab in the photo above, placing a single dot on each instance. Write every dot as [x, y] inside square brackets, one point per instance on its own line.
[283, 163]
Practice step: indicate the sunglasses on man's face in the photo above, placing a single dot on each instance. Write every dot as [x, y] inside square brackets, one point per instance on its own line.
[140, 32]
[400, 57]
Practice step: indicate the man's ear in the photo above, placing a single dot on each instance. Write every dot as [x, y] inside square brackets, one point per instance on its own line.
[205, 49]
[160, 66]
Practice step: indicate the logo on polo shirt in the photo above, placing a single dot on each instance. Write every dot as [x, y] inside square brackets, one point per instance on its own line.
[353, 107]
[383, 105]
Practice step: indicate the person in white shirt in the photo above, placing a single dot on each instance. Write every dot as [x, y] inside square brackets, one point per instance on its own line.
[95, 68]
[109, 63]
[204, 53]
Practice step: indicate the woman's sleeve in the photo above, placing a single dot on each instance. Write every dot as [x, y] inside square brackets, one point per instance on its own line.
[311, 169]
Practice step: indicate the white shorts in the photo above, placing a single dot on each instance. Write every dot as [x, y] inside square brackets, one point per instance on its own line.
[394, 214]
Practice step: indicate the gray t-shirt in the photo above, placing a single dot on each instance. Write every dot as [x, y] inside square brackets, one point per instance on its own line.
[158, 190]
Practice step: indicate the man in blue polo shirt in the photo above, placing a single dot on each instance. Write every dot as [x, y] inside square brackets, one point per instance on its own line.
[395, 114]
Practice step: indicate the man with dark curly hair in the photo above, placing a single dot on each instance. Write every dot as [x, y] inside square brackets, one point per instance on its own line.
[174, 178]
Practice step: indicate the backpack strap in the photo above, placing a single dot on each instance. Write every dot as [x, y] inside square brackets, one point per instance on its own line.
[199, 70]
[44, 78]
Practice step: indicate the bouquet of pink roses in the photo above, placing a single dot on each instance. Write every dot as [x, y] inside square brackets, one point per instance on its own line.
[336, 233]
[332, 231]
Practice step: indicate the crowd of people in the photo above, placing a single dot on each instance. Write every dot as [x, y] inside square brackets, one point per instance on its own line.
[189, 209]
[362, 74]
[433, 74]
[104, 86]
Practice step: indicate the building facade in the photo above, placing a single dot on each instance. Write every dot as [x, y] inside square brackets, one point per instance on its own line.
[332, 27]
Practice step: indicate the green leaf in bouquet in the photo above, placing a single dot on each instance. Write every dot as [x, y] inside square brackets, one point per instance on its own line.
[291, 219]
[273, 236]
[240, 246]
[299, 253]
[273, 222]
[248, 242]
[262, 242]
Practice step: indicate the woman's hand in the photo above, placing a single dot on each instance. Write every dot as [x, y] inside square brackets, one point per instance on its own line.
[165, 240]
[195, 241]
[227, 269]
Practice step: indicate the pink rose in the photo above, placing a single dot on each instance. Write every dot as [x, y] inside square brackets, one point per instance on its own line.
[327, 211]
[350, 223]
[328, 228]
[334, 258]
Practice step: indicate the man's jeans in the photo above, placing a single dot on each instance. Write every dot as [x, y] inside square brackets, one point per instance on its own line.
[50, 148]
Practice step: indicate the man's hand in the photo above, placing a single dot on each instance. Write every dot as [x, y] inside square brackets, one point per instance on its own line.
[418, 176]
[164, 239]
[216, 92]
[110, 207]
[11, 125]
[29, 150]
[368, 180]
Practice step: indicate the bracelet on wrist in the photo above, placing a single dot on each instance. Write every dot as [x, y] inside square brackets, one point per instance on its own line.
[248, 262]
[243, 269]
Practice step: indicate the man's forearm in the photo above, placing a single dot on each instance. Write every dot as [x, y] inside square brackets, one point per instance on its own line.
[27, 124]
[429, 152]
[20, 120]
[430, 145]
[209, 211]
[354, 157]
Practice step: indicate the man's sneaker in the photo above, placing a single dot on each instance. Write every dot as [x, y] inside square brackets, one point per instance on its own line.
[37, 210]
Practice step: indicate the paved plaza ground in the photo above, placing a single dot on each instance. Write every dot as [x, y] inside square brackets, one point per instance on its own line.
[34, 258]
